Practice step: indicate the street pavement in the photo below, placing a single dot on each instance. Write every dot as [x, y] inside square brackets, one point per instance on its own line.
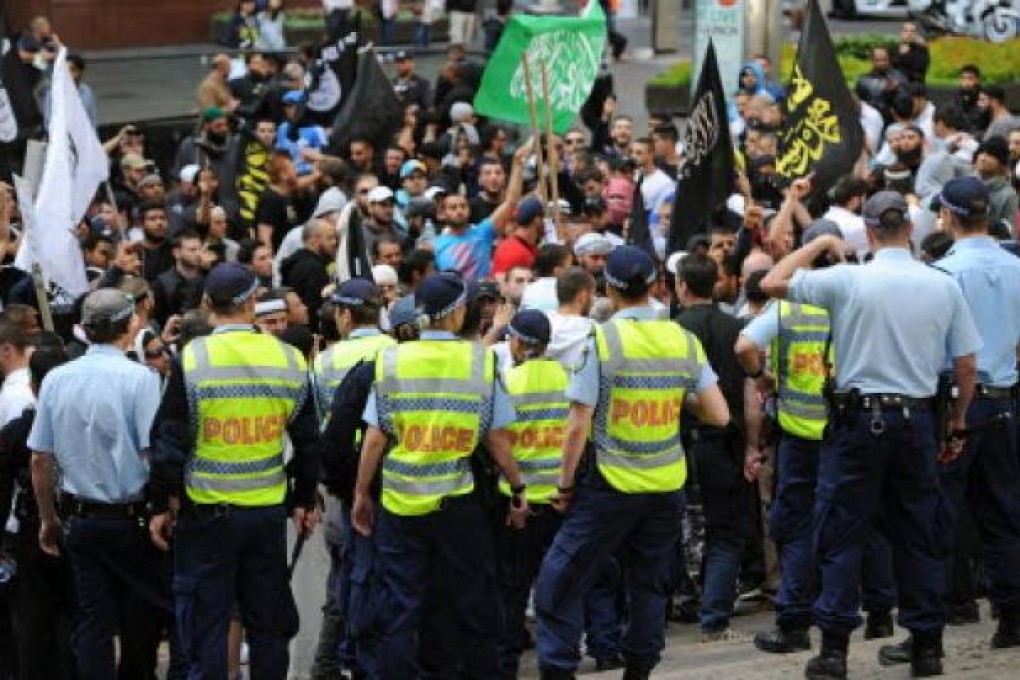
[140, 85]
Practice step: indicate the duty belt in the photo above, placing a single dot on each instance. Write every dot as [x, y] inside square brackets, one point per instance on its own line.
[989, 392]
[73, 506]
[868, 401]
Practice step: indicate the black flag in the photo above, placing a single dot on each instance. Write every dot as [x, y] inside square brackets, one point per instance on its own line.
[372, 111]
[705, 179]
[822, 133]
[333, 74]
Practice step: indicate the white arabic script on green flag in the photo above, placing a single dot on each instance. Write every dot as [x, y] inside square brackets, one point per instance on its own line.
[571, 49]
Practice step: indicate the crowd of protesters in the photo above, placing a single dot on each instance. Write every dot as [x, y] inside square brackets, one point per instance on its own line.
[451, 191]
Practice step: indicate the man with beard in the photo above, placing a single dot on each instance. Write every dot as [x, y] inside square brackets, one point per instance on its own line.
[992, 101]
[213, 148]
[847, 202]
[250, 90]
[930, 170]
[179, 289]
[157, 256]
[306, 270]
[976, 120]
[492, 185]
[878, 86]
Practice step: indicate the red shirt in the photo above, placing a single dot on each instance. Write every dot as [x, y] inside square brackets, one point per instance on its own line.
[513, 252]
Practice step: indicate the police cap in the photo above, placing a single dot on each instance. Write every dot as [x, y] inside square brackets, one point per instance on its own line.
[355, 293]
[106, 305]
[438, 295]
[963, 196]
[230, 284]
[884, 202]
[531, 327]
[630, 268]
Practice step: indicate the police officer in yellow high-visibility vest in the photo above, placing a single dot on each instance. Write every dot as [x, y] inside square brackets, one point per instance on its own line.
[637, 375]
[357, 304]
[218, 458]
[537, 386]
[433, 401]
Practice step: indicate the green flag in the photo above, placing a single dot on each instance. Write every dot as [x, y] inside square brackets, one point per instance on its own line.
[570, 47]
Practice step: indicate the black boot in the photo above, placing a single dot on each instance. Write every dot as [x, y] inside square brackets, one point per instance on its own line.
[831, 663]
[781, 641]
[963, 614]
[893, 655]
[610, 663]
[1008, 632]
[926, 654]
[879, 625]
[633, 673]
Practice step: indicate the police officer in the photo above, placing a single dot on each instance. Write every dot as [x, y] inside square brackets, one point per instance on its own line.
[219, 460]
[985, 476]
[92, 422]
[799, 336]
[433, 400]
[636, 376]
[892, 321]
[537, 385]
[357, 303]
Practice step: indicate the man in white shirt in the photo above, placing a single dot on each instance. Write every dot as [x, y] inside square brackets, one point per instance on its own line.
[571, 326]
[654, 182]
[847, 200]
[15, 351]
[550, 262]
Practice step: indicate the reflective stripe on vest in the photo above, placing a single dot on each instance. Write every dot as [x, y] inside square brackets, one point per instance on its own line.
[538, 388]
[646, 368]
[798, 354]
[434, 400]
[239, 414]
[333, 365]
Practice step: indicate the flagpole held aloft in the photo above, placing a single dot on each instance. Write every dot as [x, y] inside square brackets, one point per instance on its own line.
[535, 132]
[41, 298]
[554, 170]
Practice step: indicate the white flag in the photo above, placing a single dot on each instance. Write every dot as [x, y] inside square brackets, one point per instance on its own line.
[26, 256]
[75, 167]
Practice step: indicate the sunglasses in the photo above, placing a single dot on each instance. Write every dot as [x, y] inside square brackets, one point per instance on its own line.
[157, 353]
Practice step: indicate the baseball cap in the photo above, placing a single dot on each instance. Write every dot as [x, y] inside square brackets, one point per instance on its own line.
[230, 284]
[294, 97]
[435, 191]
[487, 289]
[629, 267]
[438, 295]
[355, 293]
[964, 196]
[997, 147]
[674, 260]
[419, 206]
[150, 179]
[403, 312]
[531, 327]
[106, 305]
[211, 113]
[528, 209]
[132, 161]
[881, 203]
[380, 194]
[592, 244]
[411, 166]
[403, 55]
[821, 227]
[384, 275]
[189, 173]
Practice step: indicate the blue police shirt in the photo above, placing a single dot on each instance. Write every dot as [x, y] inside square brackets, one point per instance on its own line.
[94, 416]
[763, 328]
[894, 320]
[503, 413]
[584, 382]
[990, 280]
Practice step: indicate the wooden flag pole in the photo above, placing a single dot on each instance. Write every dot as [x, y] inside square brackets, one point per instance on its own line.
[539, 164]
[41, 297]
[554, 165]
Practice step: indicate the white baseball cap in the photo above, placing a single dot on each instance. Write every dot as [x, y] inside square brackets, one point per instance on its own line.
[380, 194]
[189, 173]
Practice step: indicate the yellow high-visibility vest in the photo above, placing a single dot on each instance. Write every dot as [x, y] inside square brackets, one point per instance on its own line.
[798, 355]
[332, 366]
[646, 369]
[243, 389]
[434, 400]
[538, 388]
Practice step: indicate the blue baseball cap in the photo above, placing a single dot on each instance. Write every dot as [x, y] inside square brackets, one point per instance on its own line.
[294, 97]
[630, 268]
[413, 165]
[229, 283]
[438, 295]
[963, 196]
[356, 293]
[531, 327]
[528, 209]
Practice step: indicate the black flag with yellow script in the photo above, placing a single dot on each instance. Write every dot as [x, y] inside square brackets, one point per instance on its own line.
[705, 178]
[822, 133]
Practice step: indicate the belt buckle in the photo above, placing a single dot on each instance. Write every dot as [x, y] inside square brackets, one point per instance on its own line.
[877, 423]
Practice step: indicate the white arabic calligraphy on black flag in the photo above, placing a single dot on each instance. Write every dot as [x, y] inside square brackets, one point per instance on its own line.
[706, 177]
[333, 74]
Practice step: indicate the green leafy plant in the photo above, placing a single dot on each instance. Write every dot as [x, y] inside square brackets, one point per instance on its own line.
[999, 62]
